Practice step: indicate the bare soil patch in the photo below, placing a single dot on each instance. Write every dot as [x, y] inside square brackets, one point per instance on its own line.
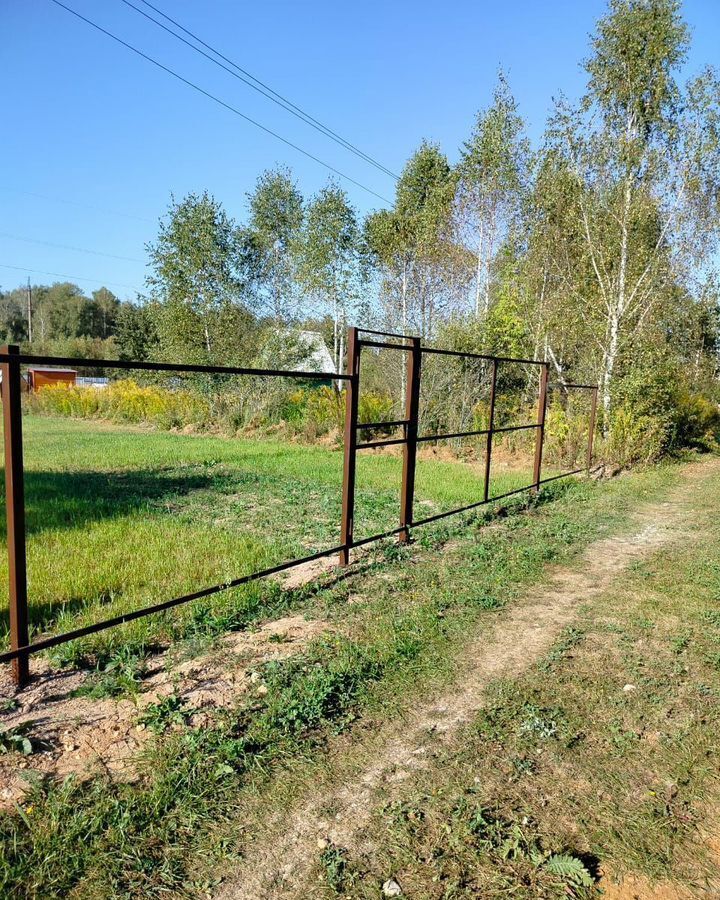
[82, 735]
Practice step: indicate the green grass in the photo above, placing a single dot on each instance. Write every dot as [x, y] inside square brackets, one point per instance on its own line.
[411, 613]
[121, 518]
[602, 756]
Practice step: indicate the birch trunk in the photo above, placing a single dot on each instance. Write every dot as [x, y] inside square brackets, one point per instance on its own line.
[478, 273]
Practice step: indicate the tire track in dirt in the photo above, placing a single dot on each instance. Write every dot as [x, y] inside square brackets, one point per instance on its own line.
[280, 863]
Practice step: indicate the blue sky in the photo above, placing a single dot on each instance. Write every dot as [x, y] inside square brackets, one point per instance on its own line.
[96, 139]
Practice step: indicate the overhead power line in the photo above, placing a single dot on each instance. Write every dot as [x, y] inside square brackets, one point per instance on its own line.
[256, 84]
[110, 212]
[217, 100]
[26, 240]
[69, 277]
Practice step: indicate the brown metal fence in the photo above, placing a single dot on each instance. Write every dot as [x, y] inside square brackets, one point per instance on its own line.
[11, 361]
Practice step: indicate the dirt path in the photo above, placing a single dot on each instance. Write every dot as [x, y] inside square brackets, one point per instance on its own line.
[280, 863]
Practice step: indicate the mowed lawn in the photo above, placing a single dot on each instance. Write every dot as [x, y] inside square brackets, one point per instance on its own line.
[119, 518]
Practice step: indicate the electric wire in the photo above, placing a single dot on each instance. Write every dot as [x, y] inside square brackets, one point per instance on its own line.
[26, 240]
[258, 85]
[217, 100]
[69, 277]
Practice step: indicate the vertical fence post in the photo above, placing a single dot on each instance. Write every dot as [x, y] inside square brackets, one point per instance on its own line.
[540, 430]
[491, 423]
[15, 511]
[591, 433]
[352, 391]
[412, 412]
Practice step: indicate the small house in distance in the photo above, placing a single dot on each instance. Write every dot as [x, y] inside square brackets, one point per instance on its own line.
[317, 356]
[41, 376]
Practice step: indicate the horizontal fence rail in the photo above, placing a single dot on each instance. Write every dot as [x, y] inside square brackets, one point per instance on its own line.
[12, 361]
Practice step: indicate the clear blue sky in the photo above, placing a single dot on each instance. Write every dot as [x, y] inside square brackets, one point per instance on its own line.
[85, 120]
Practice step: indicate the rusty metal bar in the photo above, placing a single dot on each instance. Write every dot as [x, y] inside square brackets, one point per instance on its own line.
[480, 431]
[507, 359]
[412, 414]
[370, 445]
[15, 511]
[377, 537]
[396, 424]
[382, 346]
[491, 423]
[540, 435]
[591, 432]
[392, 334]
[56, 639]
[352, 391]
[454, 434]
[561, 475]
[462, 509]
[31, 359]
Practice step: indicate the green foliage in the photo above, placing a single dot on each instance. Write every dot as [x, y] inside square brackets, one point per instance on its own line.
[124, 401]
[118, 676]
[657, 411]
[198, 282]
[17, 740]
[271, 243]
[166, 713]
[136, 335]
[570, 869]
[335, 868]
[637, 47]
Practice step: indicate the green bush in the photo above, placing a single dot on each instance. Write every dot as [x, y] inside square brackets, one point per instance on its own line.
[124, 401]
[657, 411]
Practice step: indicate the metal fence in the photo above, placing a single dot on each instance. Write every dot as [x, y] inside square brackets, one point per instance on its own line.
[12, 360]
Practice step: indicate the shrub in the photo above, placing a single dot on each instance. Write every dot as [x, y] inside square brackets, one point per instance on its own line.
[375, 407]
[633, 437]
[566, 431]
[124, 401]
[324, 411]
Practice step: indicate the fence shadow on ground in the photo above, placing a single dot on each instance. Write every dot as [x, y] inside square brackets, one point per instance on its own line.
[70, 500]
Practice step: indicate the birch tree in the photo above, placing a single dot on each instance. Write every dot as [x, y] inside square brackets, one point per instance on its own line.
[330, 270]
[412, 244]
[646, 156]
[492, 170]
[271, 242]
[195, 279]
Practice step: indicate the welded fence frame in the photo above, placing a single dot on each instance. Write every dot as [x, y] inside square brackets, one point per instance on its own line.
[11, 361]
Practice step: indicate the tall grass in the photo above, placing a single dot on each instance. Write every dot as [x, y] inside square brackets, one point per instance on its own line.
[124, 401]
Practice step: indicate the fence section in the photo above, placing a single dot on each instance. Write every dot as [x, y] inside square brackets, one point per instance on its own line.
[11, 361]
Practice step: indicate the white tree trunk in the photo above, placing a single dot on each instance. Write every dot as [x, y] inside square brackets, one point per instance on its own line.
[617, 308]
[479, 271]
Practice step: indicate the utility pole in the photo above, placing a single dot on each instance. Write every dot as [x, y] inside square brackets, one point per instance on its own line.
[29, 310]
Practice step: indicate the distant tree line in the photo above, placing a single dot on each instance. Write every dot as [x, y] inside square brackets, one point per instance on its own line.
[594, 250]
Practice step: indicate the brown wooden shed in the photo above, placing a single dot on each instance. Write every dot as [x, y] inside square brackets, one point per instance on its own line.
[40, 376]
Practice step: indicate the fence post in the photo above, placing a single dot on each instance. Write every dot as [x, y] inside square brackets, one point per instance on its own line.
[491, 422]
[15, 511]
[540, 430]
[352, 390]
[591, 433]
[412, 412]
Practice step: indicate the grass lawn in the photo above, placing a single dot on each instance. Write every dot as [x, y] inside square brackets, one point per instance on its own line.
[119, 518]
[203, 794]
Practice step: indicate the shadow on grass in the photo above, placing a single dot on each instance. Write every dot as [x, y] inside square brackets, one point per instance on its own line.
[71, 500]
